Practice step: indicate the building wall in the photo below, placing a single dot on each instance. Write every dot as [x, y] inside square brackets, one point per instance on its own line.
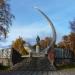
[5, 61]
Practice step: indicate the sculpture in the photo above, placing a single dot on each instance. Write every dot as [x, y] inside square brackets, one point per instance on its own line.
[52, 26]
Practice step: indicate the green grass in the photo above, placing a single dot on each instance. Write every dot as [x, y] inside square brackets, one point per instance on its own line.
[67, 66]
[4, 67]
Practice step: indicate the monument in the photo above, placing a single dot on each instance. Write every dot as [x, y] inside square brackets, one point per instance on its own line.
[40, 60]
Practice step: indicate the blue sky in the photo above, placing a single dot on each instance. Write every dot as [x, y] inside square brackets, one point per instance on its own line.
[29, 23]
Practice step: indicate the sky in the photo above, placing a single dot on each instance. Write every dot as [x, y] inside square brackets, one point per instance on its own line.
[28, 23]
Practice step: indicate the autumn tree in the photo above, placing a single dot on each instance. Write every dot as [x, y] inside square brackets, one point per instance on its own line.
[61, 45]
[45, 42]
[48, 41]
[72, 35]
[18, 50]
[65, 42]
[42, 44]
[72, 42]
[18, 45]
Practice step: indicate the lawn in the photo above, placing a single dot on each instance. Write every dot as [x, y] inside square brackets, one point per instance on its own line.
[4, 67]
[67, 66]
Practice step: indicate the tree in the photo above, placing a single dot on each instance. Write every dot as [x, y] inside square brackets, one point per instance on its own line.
[48, 41]
[18, 50]
[72, 26]
[18, 45]
[65, 43]
[61, 45]
[42, 44]
[72, 41]
[5, 18]
[72, 35]
[45, 43]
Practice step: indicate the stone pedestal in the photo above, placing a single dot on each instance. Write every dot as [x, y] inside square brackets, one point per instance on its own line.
[37, 49]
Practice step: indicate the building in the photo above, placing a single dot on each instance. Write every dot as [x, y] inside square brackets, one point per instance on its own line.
[5, 56]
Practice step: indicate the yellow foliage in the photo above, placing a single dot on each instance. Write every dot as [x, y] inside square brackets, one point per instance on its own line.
[18, 45]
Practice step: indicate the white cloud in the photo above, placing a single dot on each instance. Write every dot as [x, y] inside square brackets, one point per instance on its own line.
[30, 32]
[27, 31]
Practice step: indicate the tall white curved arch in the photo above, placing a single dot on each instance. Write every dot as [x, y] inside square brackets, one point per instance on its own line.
[52, 27]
